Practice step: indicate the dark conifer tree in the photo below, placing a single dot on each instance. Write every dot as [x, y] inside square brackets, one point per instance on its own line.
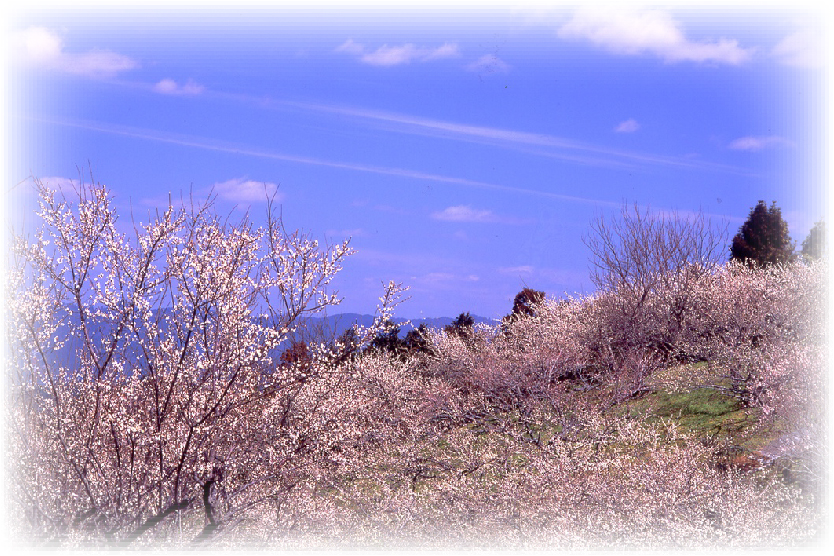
[524, 304]
[462, 326]
[763, 239]
[814, 245]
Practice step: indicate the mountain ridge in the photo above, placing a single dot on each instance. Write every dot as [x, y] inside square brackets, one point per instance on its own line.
[338, 323]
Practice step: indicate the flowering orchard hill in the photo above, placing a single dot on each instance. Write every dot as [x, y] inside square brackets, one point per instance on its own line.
[150, 403]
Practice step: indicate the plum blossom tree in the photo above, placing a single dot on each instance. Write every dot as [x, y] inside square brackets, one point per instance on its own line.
[169, 404]
[643, 264]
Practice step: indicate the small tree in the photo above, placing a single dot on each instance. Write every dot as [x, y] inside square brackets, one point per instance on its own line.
[525, 303]
[462, 326]
[814, 245]
[416, 341]
[298, 353]
[763, 239]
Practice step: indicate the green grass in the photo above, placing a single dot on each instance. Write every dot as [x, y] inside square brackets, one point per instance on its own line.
[703, 411]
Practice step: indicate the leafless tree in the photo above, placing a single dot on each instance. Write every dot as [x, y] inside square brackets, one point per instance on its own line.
[643, 250]
[642, 263]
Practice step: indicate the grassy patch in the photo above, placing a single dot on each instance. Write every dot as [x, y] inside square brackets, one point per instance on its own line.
[679, 395]
[704, 410]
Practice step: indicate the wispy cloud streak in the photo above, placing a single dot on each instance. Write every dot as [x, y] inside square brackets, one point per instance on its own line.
[628, 126]
[208, 144]
[465, 132]
[751, 143]
[538, 144]
[171, 87]
[395, 55]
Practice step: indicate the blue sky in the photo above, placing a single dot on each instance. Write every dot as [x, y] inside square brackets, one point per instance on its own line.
[464, 151]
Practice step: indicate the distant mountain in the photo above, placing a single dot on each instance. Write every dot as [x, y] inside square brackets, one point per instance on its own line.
[336, 324]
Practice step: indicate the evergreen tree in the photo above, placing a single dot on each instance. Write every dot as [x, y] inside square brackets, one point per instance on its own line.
[814, 245]
[763, 239]
[388, 341]
[462, 326]
[416, 341]
[524, 304]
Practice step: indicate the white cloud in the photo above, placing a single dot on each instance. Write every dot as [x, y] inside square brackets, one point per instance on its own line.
[395, 55]
[40, 47]
[628, 126]
[755, 143]
[651, 31]
[60, 184]
[97, 62]
[352, 232]
[447, 50]
[445, 278]
[241, 189]
[489, 63]
[465, 213]
[391, 55]
[524, 270]
[171, 87]
[351, 47]
[801, 49]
